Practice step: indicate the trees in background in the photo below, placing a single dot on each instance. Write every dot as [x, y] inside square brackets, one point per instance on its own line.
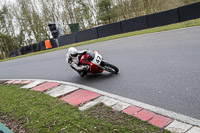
[106, 12]
[25, 22]
[7, 42]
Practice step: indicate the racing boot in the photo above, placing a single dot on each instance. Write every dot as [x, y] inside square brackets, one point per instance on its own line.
[82, 73]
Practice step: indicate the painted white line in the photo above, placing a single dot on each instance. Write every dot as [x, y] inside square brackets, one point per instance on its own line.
[88, 105]
[61, 90]
[170, 114]
[18, 81]
[106, 100]
[110, 102]
[120, 106]
[178, 127]
[10, 81]
[194, 130]
[25, 81]
[101, 99]
[31, 85]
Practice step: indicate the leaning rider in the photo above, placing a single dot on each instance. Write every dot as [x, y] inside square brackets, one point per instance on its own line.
[73, 59]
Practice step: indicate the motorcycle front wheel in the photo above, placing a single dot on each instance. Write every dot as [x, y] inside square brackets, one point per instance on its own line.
[110, 68]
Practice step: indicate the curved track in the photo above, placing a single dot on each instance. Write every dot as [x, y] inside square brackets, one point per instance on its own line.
[161, 69]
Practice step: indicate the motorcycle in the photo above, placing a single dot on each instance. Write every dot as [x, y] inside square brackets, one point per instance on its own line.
[97, 63]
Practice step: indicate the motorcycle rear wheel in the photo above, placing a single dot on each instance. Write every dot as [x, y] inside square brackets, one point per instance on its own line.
[110, 68]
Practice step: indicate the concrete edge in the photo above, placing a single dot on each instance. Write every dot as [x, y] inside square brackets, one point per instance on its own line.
[170, 114]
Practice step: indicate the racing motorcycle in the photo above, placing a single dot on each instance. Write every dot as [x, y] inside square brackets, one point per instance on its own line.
[97, 64]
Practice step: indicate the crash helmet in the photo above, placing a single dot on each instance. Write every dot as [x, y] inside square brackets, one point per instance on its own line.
[72, 51]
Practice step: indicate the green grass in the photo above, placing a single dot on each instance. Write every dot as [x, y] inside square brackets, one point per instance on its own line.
[38, 112]
[185, 24]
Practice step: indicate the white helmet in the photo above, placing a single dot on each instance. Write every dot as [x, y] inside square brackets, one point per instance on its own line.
[72, 52]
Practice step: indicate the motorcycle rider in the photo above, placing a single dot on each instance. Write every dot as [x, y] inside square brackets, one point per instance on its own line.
[73, 58]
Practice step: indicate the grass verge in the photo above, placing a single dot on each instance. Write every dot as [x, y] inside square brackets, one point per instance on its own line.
[185, 24]
[38, 112]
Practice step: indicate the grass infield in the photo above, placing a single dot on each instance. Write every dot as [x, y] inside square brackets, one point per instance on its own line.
[38, 112]
[185, 24]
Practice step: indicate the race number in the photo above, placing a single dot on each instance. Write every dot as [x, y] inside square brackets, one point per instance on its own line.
[98, 59]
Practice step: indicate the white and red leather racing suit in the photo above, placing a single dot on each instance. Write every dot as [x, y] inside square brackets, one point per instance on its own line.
[74, 62]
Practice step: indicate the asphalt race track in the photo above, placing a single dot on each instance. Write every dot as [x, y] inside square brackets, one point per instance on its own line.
[161, 69]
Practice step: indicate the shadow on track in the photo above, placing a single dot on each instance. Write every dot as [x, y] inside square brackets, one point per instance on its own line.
[94, 78]
[98, 76]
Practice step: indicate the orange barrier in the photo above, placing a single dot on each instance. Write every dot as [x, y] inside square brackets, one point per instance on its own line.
[48, 44]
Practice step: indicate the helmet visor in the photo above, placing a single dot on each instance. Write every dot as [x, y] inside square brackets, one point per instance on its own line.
[74, 55]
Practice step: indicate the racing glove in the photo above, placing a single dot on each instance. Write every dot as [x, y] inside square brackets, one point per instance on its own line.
[86, 67]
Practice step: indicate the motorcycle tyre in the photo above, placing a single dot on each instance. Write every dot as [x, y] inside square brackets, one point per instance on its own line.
[111, 68]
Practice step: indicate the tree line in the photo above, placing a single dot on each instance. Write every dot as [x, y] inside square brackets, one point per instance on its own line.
[24, 22]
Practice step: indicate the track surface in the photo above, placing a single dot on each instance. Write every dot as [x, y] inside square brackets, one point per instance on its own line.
[161, 69]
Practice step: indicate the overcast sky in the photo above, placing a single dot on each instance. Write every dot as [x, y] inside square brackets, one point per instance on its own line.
[1, 3]
[7, 1]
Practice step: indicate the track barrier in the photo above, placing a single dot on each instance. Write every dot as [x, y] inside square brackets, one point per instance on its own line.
[176, 15]
[67, 39]
[109, 29]
[86, 35]
[134, 24]
[48, 44]
[163, 18]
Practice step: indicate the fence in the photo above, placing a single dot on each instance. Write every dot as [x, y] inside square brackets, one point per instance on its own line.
[144, 22]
